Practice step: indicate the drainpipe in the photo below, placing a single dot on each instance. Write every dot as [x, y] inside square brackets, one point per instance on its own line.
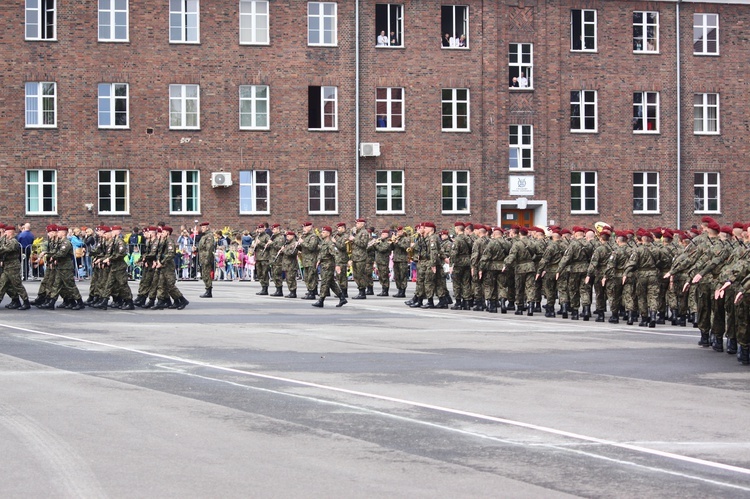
[679, 122]
[356, 109]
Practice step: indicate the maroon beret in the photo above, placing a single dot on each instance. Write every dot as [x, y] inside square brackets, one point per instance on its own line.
[290, 233]
[205, 224]
[726, 229]
[707, 220]
[361, 220]
[738, 225]
[341, 224]
[275, 226]
[326, 228]
[116, 227]
[459, 224]
[714, 226]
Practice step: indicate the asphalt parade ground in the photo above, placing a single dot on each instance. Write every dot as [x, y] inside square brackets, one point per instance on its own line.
[255, 396]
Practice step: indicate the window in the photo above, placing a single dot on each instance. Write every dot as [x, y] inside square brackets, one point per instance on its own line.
[706, 113]
[455, 191]
[254, 107]
[521, 147]
[254, 192]
[646, 112]
[114, 192]
[41, 17]
[41, 192]
[583, 112]
[322, 108]
[706, 192]
[113, 20]
[389, 104]
[645, 31]
[184, 191]
[389, 25]
[184, 106]
[321, 23]
[455, 109]
[184, 21]
[454, 22]
[389, 188]
[41, 104]
[583, 30]
[254, 22]
[113, 105]
[323, 192]
[583, 197]
[645, 192]
[706, 34]
[520, 65]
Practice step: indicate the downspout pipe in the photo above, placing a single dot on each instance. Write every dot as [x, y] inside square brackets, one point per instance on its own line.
[679, 120]
[356, 109]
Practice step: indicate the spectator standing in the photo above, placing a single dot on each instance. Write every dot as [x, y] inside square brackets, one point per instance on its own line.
[221, 264]
[26, 238]
[185, 249]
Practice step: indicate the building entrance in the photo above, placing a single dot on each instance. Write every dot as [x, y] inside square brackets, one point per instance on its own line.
[524, 218]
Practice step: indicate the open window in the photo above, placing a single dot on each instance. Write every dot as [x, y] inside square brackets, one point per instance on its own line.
[454, 23]
[389, 25]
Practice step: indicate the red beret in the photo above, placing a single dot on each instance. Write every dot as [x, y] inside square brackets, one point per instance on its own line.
[565, 231]
[290, 233]
[707, 220]
[726, 229]
[523, 230]
[746, 226]
[307, 224]
[667, 234]
[261, 226]
[400, 227]
[166, 228]
[361, 220]
[444, 233]
[429, 224]
[205, 224]
[738, 225]
[326, 228]
[341, 224]
[385, 231]
[469, 224]
[459, 224]
[106, 228]
[481, 227]
[117, 227]
[51, 228]
[275, 226]
[3, 226]
[714, 226]
[497, 229]
[61, 227]
[656, 232]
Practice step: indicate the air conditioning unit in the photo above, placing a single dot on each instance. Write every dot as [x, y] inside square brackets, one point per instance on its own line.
[221, 179]
[367, 149]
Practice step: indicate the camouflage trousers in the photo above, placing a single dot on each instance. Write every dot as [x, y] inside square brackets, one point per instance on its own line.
[262, 272]
[525, 286]
[65, 285]
[647, 292]
[276, 274]
[461, 278]
[167, 284]
[401, 274]
[477, 285]
[310, 274]
[12, 284]
[328, 279]
[207, 273]
[575, 283]
[147, 281]
[494, 285]
[117, 284]
[384, 274]
[614, 293]
[549, 284]
[360, 272]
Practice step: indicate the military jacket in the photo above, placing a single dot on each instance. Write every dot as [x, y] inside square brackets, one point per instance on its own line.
[435, 251]
[207, 248]
[383, 250]
[521, 257]
[10, 253]
[308, 249]
[599, 259]
[476, 251]
[576, 258]
[551, 258]
[262, 251]
[327, 252]
[117, 253]
[277, 243]
[289, 255]
[63, 254]
[460, 254]
[359, 245]
[400, 249]
[493, 255]
[642, 260]
[618, 258]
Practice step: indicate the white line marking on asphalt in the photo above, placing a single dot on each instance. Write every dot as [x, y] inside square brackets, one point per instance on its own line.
[437, 408]
[561, 447]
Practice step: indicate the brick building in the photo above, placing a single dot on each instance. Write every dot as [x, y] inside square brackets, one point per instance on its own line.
[133, 111]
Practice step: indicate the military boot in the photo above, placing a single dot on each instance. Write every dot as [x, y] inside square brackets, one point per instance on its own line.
[430, 303]
[14, 304]
[91, 299]
[503, 306]
[263, 291]
[717, 343]
[139, 301]
[39, 300]
[292, 294]
[78, 305]
[458, 305]
[208, 293]
[25, 305]
[586, 313]
[362, 294]
[49, 304]
[632, 316]
[492, 306]
[149, 303]
[319, 302]
[418, 300]
[682, 321]
[384, 292]
[574, 314]
[644, 321]
[530, 310]
[704, 341]
[278, 292]
[537, 307]
[127, 305]
[511, 305]
[519, 309]
[369, 291]
[479, 306]
[101, 304]
[743, 355]
[183, 303]
[652, 319]
[614, 319]
[160, 305]
[411, 301]
[564, 310]
[660, 318]
[467, 305]
[443, 302]
[549, 311]
[342, 301]
[731, 346]
[600, 316]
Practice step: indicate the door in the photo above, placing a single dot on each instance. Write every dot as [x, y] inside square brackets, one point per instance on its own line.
[524, 218]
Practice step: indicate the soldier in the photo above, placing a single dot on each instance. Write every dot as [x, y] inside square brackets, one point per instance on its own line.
[739, 253]
[150, 247]
[341, 240]
[420, 251]
[167, 280]
[401, 249]
[327, 262]
[359, 240]
[434, 272]
[275, 247]
[383, 248]
[642, 265]
[49, 272]
[289, 263]
[262, 258]
[575, 260]
[117, 280]
[547, 269]
[477, 249]
[62, 260]
[308, 252]
[521, 259]
[490, 273]
[595, 275]
[369, 291]
[704, 274]
[460, 258]
[207, 258]
[96, 252]
[538, 238]
[10, 279]
[613, 273]
[741, 274]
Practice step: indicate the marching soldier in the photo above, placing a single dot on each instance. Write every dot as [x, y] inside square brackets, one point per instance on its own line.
[369, 291]
[383, 248]
[150, 248]
[341, 240]
[595, 274]
[490, 273]
[435, 270]
[575, 261]
[62, 260]
[96, 252]
[275, 247]
[308, 252]
[521, 259]
[262, 258]
[642, 265]
[401, 249]
[477, 249]
[460, 260]
[327, 262]
[360, 239]
[704, 274]
[117, 280]
[420, 251]
[207, 258]
[10, 279]
[290, 263]
[48, 246]
[612, 277]
[167, 280]
[547, 269]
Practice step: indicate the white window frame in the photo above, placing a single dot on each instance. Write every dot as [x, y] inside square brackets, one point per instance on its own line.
[111, 15]
[113, 184]
[40, 184]
[252, 99]
[648, 181]
[326, 98]
[254, 184]
[395, 14]
[388, 187]
[701, 181]
[178, 106]
[184, 183]
[111, 101]
[648, 107]
[36, 99]
[646, 25]
[452, 185]
[391, 104]
[41, 13]
[583, 104]
[583, 184]
[701, 30]
[518, 66]
[520, 150]
[456, 26]
[701, 108]
[182, 15]
[453, 102]
[316, 22]
[321, 184]
[254, 22]
[584, 23]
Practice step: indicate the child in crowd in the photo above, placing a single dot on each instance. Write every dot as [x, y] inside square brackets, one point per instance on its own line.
[221, 265]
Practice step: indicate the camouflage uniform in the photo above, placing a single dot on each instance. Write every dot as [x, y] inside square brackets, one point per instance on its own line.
[460, 260]
[401, 264]
[308, 252]
[207, 260]
[491, 263]
[262, 258]
[383, 249]
[359, 260]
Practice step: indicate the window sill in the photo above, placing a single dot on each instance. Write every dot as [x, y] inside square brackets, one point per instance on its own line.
[322, 129]
[41, 214]
[113, 41]
[324, 45]
[182, 129]
[389, 46]
[255, 129]
[521, 89]
[707, 133]
[183, 43]
[114, 213]
[584, 131]
[390, 212]
[466, 212]
[255, 213]
[704, 212]
[584, 212]
[322, 212]
[451, 130]
[390, 129]
[36, 127]
[706, 54]
[250, 44]
[114, 127]
[40, 39]
[584, 51]
[520, 170]
[646, 212]
[646, 132]
[455, 48]
[646, 52]
[191, 213]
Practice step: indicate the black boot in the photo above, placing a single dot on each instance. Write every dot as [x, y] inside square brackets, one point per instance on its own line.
[564, 310]
[149, 304]
[511, 306]
[101, 304]
[418, 300]
[127, 305]
[139, 301]
[467, 304]
[574, 314]
[182, 303]
[311, 295]
[443, 302]
[503, 306]
[49, 304]
[362, 294]
[519, 309]
[411, 301]
[91, 299]
[549, 311]
[458, 305]
[731, 345]
[615, 319]
[632, 317]
[479, 306]
[14, 304]
[369, 291]
[170, 304]
[530, 310]
[537, 307]
[208, 293]
[319, 302]
[430, 303]
[492, 306]
[342, 301]
[263, 291]
[39, 300]
[586, 314]
[652, 319]
[718, 343]
[743, 355]
[78, 305]
[292, 294]
[384, 292]
[704, 340]
[682, 321]
[600, 316]
[644, 321]
[278, 292]
[659, 318]
[160, 305]
[561, 311]
[694, 319]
